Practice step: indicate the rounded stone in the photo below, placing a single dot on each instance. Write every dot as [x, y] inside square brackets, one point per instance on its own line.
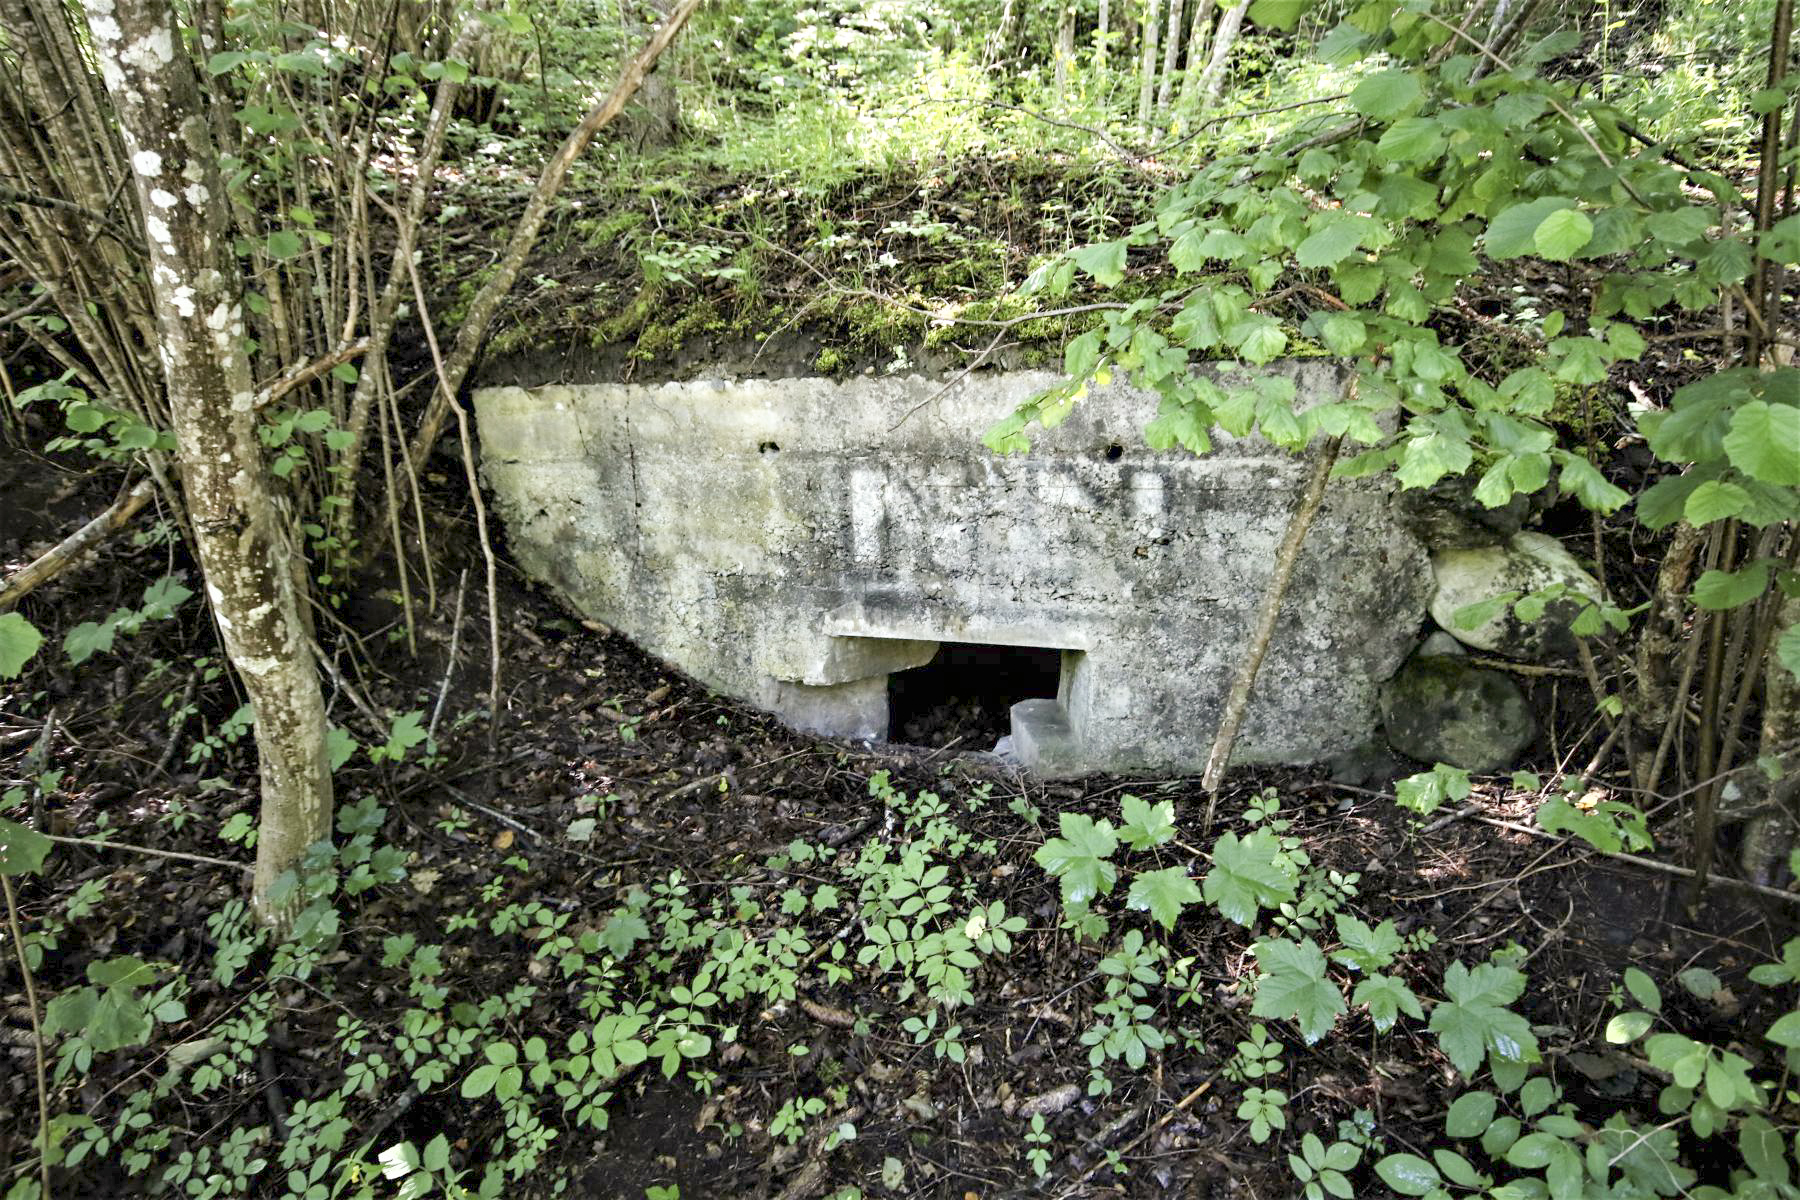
[1528, 562]
[1441, 709]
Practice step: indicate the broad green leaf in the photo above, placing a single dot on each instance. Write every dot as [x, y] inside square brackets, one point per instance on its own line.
[1386, 997]
[1470, 1114]
[1343, 334]
[1364, 948]
[19, 640]
[1513, 232]
[1386, 94]
[1105, 261]
[1248, 874]
[623, 930]
[1786, 1031]
[284, 243]
[1146, 825]
[1727, 589]
[1334, 240]
[1714, 501]
[1474, 1020]
[1278, 14]
[1079, 857]
[1163, 894]
[22, 849]
[1408, 1174]
[89, 638]
[1628, 1027]
[1412, 139]
[1293, 986]
[1562, 233]
[1764, 442]
[1581, 479]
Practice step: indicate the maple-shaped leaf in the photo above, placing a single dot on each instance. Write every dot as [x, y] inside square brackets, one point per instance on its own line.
[1163, 894]
[1475, 1019]
[1247, 874]
[1146, 825]
[1079, 857]
[1364, 948]
[1293, 986]
[1386, 998]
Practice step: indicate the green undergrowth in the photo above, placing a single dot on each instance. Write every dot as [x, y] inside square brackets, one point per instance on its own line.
[482, 1034]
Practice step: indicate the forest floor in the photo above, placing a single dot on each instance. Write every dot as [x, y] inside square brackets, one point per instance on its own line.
[609, 776]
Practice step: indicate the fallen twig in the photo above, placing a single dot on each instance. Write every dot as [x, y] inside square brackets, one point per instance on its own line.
[52, 562]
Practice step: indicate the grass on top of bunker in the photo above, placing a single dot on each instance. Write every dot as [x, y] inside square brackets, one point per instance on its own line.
[617, 789]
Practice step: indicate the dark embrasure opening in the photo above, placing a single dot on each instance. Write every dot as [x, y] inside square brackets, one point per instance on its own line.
[965, 694]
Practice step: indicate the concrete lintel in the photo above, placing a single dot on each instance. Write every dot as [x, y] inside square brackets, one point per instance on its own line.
[853, 620]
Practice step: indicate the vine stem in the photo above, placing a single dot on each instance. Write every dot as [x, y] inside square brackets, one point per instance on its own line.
[37, 1035]
[1237, 702]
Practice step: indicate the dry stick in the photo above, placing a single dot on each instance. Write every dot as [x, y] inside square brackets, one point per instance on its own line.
[481, 310]
[1238, 701]
[1181, 1106]
[101, 844]
[1649, 864]
[391, 501]
[51, 563]
[450, 662]
[487, 546]
[37, 1036]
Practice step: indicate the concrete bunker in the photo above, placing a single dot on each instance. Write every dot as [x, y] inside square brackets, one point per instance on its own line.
[802, 543]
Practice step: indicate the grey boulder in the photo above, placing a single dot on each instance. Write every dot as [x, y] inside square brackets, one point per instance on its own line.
[1442, 709]
[1524, 564]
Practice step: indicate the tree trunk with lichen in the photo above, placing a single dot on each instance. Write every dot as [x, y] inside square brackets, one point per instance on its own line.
[242, 540]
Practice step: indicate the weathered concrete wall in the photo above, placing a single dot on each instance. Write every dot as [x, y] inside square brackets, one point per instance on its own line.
[792, 541]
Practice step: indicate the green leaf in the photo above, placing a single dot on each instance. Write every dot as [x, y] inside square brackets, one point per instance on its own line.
[1386, 94]
[1475, 1021]
[1714, 501]
[1786, 1031]
[1386, 997]
[344, 372]
[1628, 1027]
[1513, 232]
[623, 930]
[1559, 235]
[1412, 139]
[1364, 948]
[1470, 1115]
[481, 1081]
[284, 244]
[19, 640]
[1335, 239]
[89, 638]
[1079, 857]
[1581, 479]
[1104, 261]
[22, 849]
[1293, 986]
[1146, 825]
[1764, 442]
[1278, 14]
[1408, 1174]
[1163, 894]
[1718, 590]
[1343, 334]
[1248, 874]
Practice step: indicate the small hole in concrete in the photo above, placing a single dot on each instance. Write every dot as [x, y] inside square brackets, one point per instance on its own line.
[1115, 452]
[965, 695]
[767, 448]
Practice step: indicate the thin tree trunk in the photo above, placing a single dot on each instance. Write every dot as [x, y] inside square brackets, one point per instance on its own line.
[1100, 34]
[1147, 64]
[1237, 701]
[472, 331]
[1198, 38]
[1065, 48]
[1165, 90]
[241, 539]
[1770, 835]
[1213, 82]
